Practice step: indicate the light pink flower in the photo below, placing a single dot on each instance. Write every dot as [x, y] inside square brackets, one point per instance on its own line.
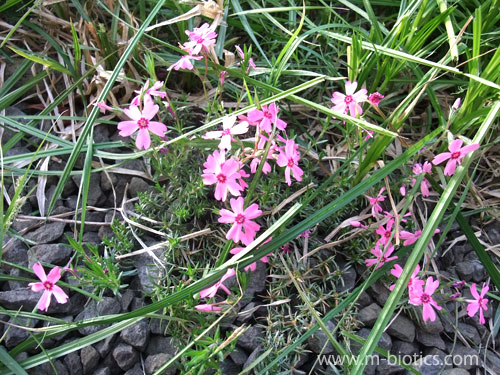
[184, 62]
[212, 291]
[350, 101]
[251, 63]
[357, 224]
[255, 163]
[142, 121]
[376, 208]
[243, 229]
[147, 93]
[402, 190]
[252, 267]
[423, 297]
[414, 280]
[228, 130]
[103, 107]
[375, 98]
[305, 234]
[224, 173]
[455, 156]
[286, 249]
[410, 238]
[48, 285]
[200, 39]
[479, 303]
[385, 232]
[290, 159]
[208, 307]
[223, 75]
[456, 104]
[381, 257]
[266, 118]
[420, 169]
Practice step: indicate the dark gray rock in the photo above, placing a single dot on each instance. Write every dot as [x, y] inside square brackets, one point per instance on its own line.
[102, 371]
[257, 282]
[157, 326]
[492, 362]
[455, 371]
[319, 339]
[469, 332]
[253, 356]
[95, 195]
[246, 313]
[228, 367]
[465, 358]
[435, 326]
[402, 328]
[138, 185]
[429, 365]
[369, 315]
[238, 356]
[90, 359]
[47, 369]
[103, 347]
[430, 340]
[136, 335]
[73, 363]
[137, 303]
[465, 270]
[94, 309]
[91, 238]
[18, 284]
[162, 344]
[46, 233]
[385, 341]
[14, 251]
[364, 299]
[108, 181]
[387, 367]
[348, 281]
[379, 292]
[156, 361]
[15, 335]
[136, 370]
[250, 339]
[50, 253]
[147, 271]
[126, 299]
[403, 348]
[19, 298]
[125, 356]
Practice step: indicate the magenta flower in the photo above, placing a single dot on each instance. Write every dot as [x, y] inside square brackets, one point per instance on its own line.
[200, 39]
[286, 249]
[243, 229]
[385, 232]
[266, 118]
[251, 63]
[455, 156]
[414, 280]
[375, 98]
[103, 107]
[423, 297]
[184, 63]
[228, 130]
[381, 257]
[409, 238]
[290, 159]
[479, 303]
[255, 163]
[224, 173]
[252, 267]
[223, 75]
[350, 101]
[208, 307]
[212, 291]
[357, 224]
[148, 93]
[48, 285]
[142, 121]
[376, 208]
[419, 169]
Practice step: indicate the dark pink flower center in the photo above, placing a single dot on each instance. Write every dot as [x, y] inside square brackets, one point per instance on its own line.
[221, 178]
[425, 298]
[226, 132]
[387, 234]
[48, 285]
[455, 155]
[143, 123]
[200, 41]
[348, 99]
[268, 115]
[239, 219]
[291, 163]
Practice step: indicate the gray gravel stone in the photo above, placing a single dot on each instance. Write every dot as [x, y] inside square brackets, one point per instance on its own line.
[430, 340]
[90, 359]
[125, 356]
[17, 335]
[95, 195]
[385, 341]
[102, 371]
[73, 363]
[429, 365]
[365, 299]
[253, 356]
[403, 348]
[318, 340]
[465, 358]
[492, 361]
[16, 252]
[136, 335]
[257, 282]
[147, 271]
[94, 309]
[379, 292]
[431, 327]
[46, 233]
[250, 339]
[228, 367]
[389, 368]
[103, 347]
[369, 315]
[348, 281]
[455, 371]
[56, 254]
[238, 356]
[162, 344]
[469, 332]
[136, 370]
[155, 361]
[402, 328]
[138, 185]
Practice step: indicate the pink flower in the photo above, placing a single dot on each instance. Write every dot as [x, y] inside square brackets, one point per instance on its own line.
[286, 249]
[103, 107]
[414, 280]
[456, 104]
[255, 163]
[212, 291]
[423, 297]
[184, 62]
[350, 101]
[252, 267]
[376, 208]
[148, 93]
[208, 307]
[201, 38]
[419, 169]
[251, 63]
[305, 234]
[48, 285]
[410, 238]
[375, 98]
[141, 121]
[457, 152]
[479, 303]
[402, 190]
[228, 130]
[266, 117]
[290, 159]
[385, 232]
[357, 224]
[224, 173]
[223, 75]
[243, 228]
[381, 257]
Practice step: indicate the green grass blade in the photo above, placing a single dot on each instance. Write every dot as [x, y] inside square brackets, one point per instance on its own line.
[45, 61]
[11, 363]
